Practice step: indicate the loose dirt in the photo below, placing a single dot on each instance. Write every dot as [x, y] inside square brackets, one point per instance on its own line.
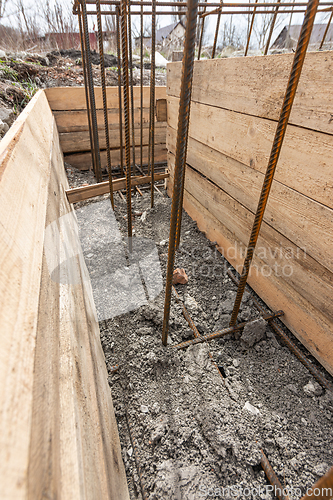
[198, 430]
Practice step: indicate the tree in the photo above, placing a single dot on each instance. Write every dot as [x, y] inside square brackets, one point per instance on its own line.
[2, 7]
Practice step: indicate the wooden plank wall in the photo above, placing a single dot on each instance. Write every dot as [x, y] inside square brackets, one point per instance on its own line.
[69, 107]
[234, 114]
[58, 431]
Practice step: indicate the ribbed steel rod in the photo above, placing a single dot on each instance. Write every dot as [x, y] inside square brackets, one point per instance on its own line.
[98, 171]
[136, 456]
[271, 29]
[124, 40]
[152, 102]
[225, 331]
[217, 31]
[181, 144]
[276, 148]
[131, 82]
[119, 94]
[291, 346]
[201, 34]
[223, 12]
[204, 4]
[141, 86]
[250, 30]
[272, 477]
[86, 90]
[326, 30]
[105, 102]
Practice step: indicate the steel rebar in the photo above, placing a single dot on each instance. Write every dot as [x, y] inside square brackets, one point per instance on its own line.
[181, 146]
[98, 171]
[141, 87]
[152, 102]
[272, 477]
[250, 30]
[326, 31]
[131, 83]
[292, 347]
[323, 489]
[136, 456]
[217, 31]
[272, 28]
[201, 33]
[119, 95]
[276, 148]
[124, 39]
[105, 102]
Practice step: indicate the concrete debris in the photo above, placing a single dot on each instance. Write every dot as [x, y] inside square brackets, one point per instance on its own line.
[179, 277]
[321, 469]
[130, 452]
[159, 431]
[144, 409]
[190, 302]
[253, 332]
[235, 362]
[313, 389]
[163, 243]
[251, 409]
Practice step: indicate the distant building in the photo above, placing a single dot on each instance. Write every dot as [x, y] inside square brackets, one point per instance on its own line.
[169, 37]
[288, 38]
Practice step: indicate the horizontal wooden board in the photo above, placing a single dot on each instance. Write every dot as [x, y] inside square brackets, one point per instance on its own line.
[225, 221]
[80, 141]
[305, 222]
[306, 160]
[85, 192]
[256, 86]
[82, 161]
[77, 121]
[74, 98]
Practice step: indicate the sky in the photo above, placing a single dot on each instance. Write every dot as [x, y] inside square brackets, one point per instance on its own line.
[33, 8]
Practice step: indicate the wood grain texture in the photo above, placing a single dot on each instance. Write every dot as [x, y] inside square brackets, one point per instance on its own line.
[80, 141]
[248, 140]
[256, 86]
[85, 192]
[73, 98]
[304, 296]
[161, 110]
[306, 223]
[83, 161]
[59, 437]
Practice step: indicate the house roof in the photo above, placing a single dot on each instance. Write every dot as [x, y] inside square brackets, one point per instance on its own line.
[165, 32]
[294, 31]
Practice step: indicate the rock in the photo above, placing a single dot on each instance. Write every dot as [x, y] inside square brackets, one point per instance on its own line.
[3, 128]
[143, 216]
[159, 431]
[144, 409]
[251, 409]
[153, 313]
[163, 243]
[160, 61]
[179, 277]
[312, 389]
[292, 388]
[223, 322]
[190, 302]
[130, 452]
[253, 332]
[235, 362]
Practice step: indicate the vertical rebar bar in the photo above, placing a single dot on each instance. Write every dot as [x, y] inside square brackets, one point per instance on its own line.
[119, 94]
[201, 33]
[271, 28]
[131, 82]
[98, 171]
[250, 30]
[181, 146]
[105, 102]
[276, 147]
[85, 79]
[152, 101]
[326, 30]
[141, 86]
[124, 40]
[217, 30]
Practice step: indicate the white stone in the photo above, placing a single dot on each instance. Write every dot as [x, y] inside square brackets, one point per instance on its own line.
[251, 409]
[144, 409]
[160, 61]
[130, 452]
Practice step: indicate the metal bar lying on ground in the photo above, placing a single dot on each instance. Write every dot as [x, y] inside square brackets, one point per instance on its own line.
[276, 147]
[225, 331]
[272, 477]
[293, 348]
[85, 192]
[182, 134]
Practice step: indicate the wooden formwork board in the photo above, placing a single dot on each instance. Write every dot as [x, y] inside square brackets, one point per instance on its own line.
[58, 431]
[232, 126]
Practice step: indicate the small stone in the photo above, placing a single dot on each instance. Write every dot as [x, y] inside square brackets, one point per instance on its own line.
[130, 452]
[190, 302]
[90, 255]
[292, 388]
[143, 216]
[253, 332]
[144, 409]
[235, 362]
[179, 277]
[321, 469]
[304, 421]
[163, 243]
[251, 409]
[312, 389]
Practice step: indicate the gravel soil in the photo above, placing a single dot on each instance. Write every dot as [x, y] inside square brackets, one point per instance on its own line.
[198, 429]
